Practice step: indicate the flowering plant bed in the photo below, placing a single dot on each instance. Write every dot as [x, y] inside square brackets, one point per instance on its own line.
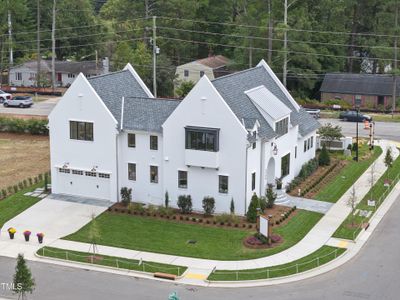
[257, 241]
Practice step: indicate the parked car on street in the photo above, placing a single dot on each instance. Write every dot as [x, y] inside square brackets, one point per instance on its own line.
[4, 96]
[19, 101]
[352, 116]
[314, 112]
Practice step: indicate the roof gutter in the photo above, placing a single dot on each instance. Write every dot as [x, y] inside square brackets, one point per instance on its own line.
[122, 114]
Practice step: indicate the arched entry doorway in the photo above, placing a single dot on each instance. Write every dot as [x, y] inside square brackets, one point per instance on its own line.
[271, 171]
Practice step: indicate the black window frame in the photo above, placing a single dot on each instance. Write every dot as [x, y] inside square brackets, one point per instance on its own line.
[130, 172]
[185, 73]
[282, 126]
[295, 151]
[183, 178]
[130, 136]
[253, 181]
[76, 133]
[156, 179]
[305, 145]
[153, 142]
[285, 168]
[197, 138]
[221, 183]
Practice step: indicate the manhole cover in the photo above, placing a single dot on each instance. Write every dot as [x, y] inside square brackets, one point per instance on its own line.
[191, 241]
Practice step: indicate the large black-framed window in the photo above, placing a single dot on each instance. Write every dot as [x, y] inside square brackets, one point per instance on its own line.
[223, 184]
[153, 174]
[204, 139]
[182, 179]
[285, 165]
[131, 140]
[81, 131]
[132, 171]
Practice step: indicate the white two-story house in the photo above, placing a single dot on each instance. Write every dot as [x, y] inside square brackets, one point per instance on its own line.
[228, 138]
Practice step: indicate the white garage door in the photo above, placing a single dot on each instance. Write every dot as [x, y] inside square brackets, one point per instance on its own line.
[83, 183]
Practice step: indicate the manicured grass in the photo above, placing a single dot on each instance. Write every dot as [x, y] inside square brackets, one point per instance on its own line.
[347, 232]
[171, 237]
[15, 204]
[315, 259]
[347, 176]
[111, 261]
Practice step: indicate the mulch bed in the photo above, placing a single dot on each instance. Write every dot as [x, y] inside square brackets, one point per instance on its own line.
[264, 246]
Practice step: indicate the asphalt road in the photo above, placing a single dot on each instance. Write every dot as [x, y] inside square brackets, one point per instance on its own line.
[42, 108]
[383, 130]
[373, 274]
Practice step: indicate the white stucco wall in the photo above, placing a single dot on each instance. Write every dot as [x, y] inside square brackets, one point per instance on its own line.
[210, 112]
[142, 189]
[81, 103]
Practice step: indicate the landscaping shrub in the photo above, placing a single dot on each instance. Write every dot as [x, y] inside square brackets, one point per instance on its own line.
[271, 196]
[227, 218]
[168, 211]
[151, 209]
[324, 159]
[185, 204]
[4, 193]
[166, 199]
[208, 205]
[306, 170]
[20, 185]
[126, 195]
[355, 147]
[232, 208]
[32, 126]
[137, 207]
[252, 210]
[15, 187]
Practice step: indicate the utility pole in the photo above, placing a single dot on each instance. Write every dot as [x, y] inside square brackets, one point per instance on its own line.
[285, 44]
[38, 43]
[53, 47]
[269, 33]
[10, 38]
[251, 53]
[154, 57]
[394, 96]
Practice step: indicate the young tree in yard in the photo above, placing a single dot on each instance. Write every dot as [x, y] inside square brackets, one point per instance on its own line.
[324, 159]
[93, 234]
[232, 208]
[23, 281]
[352, 202]
[330, 133]
[372, 180]
[208, 205]
[184, 88]
[271, 196]
[126, 195]
[252, 210]
[388, 160]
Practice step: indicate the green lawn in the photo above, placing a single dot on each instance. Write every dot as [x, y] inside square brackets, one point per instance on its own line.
[111, 261]
[171, 237]
[15, 204]
[315, 259]
[347, 176]
[378, 190]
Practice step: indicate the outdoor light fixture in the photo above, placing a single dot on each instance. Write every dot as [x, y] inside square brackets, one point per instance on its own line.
[274, 148]
[94, 168]
[66, 165]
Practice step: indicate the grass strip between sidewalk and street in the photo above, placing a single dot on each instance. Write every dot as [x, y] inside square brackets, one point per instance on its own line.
[378, 192]
[172, 237]
[15, 204]
[318, 258]
[333, 191]
[110, 261]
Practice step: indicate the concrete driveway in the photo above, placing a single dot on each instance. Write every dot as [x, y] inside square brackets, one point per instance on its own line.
[55, 218]
[42, 108]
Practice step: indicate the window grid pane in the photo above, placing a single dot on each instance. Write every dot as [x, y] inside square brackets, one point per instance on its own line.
[182, 179]
[132, 171]
[223, 184]
[153, 174]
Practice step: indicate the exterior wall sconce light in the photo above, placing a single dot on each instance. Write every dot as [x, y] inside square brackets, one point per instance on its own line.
[94, 169]
[274, 148]
[66, 165]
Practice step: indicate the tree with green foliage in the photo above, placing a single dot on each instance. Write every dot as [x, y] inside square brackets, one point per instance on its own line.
[232, 208]
[126, 195]
[270, 195]
[330, 133]
[23, 282]
[324, 159]
[166, 199]
[184, 88]
[123, 54]
[93, 234]
[208, 205]
[252, 211]
[388, 160]
[352, 203]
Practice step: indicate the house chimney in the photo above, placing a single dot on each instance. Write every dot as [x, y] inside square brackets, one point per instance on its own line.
[106, 65]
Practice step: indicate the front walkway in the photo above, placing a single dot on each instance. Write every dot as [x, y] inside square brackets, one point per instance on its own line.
[55, 218]
[309, 204]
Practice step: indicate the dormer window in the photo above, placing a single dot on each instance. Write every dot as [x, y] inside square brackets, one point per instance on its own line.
[282, 126]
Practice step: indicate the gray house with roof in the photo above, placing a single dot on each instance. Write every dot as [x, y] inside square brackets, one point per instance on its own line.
[227, 139]
[374, 90]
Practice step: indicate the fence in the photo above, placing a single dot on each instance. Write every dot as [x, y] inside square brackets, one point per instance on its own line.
[272, 272]
[377, 204]
[119, 263]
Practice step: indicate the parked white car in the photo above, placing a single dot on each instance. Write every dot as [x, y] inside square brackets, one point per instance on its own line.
[4, 96]
[19, 101]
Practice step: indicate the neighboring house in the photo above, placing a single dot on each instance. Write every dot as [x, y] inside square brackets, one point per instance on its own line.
[66, 71]
[212, 66]
[228, 138]
[374, 90]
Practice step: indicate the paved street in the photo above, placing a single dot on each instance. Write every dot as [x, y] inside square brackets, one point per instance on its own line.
[383, 130]
[372, 274]
[42, 108]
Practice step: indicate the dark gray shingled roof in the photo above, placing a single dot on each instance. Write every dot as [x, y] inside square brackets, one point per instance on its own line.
[233, 86]
[147, 114]
[359, 84]
[112, 87]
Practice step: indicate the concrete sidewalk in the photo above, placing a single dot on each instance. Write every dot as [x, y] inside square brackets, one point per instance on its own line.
[318, 236]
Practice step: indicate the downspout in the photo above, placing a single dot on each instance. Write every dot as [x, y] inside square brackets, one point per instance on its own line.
[121, 126]
[261, 165]
[245, 180]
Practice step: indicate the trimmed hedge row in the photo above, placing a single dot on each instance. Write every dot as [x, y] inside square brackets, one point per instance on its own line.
[318, 181]
[13, 189]
[16, 125]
